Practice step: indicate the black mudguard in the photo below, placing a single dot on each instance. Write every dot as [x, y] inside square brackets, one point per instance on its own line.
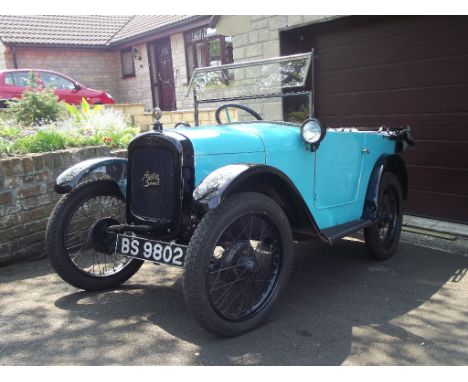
[392, 163]
[261, 178]
[115, 168]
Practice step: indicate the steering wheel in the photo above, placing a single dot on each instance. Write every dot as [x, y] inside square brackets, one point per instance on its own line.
[237, 106]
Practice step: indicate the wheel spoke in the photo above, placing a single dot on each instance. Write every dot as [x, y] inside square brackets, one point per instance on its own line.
[244, 276]
[77, 239]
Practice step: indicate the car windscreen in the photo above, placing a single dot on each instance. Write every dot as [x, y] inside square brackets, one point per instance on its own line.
[251, 78]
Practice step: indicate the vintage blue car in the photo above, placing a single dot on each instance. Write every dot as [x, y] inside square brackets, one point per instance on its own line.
[226, 202]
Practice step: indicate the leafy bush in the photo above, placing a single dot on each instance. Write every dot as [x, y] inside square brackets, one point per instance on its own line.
[38, 105]
[93, 127]
[298, 116]
[84, 112]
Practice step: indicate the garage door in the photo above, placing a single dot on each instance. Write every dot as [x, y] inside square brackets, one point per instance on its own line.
[397, 71]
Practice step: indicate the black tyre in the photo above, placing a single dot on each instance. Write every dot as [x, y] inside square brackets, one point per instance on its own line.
[383, 235]
[239, 259]
[79, 246]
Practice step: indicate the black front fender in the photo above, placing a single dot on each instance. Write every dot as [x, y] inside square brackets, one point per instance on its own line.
[260, 178]
[115, 168]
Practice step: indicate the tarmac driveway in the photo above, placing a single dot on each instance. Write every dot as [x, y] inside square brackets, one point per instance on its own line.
[340, 308]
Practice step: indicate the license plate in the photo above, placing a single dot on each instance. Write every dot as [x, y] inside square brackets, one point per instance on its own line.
[151, 250]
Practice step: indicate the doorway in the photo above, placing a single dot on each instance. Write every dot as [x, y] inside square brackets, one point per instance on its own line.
[162, 74]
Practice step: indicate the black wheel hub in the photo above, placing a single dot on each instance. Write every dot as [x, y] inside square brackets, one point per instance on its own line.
[238, 259]
[100, 237]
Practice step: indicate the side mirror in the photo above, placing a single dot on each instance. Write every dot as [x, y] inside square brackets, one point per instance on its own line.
[77, 86]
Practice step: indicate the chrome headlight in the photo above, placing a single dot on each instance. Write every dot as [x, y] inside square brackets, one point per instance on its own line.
[313, 131]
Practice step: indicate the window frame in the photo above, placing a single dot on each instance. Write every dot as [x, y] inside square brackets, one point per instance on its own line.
[62, 78]
[204, 39]
[122, 53]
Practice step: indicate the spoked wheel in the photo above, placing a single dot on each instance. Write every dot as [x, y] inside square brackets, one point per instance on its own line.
[383, 235]
[79, 244]
[238, 261]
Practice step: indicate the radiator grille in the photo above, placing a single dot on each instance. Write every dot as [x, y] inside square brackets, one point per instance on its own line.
[154, 183]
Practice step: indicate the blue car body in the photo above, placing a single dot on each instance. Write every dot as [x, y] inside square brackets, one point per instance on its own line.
[332, 180]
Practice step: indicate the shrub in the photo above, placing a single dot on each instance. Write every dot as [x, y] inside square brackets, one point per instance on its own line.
[84, 112]
[42, 141]
[298, 116]
[97, 127]
[38, 106]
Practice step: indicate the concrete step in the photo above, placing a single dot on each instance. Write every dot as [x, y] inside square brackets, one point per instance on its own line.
[437, 226]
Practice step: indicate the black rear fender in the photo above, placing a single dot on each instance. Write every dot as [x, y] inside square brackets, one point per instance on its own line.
[110, 167]
[386, 163]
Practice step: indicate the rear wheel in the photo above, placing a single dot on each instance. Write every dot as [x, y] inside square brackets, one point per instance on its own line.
[239, 259]
[79, 245]
[383, 235]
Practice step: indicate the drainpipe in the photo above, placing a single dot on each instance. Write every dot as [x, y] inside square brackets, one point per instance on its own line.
[15, 62]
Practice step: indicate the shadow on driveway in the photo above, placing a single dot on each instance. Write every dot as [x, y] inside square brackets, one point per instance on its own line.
[339, 307]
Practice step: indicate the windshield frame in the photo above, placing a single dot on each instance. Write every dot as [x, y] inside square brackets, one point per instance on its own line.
[244, 64]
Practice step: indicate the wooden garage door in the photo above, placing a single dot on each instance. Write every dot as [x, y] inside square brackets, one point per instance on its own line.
[396, 71]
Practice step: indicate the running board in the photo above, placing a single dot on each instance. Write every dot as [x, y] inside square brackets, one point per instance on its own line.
[333, 234]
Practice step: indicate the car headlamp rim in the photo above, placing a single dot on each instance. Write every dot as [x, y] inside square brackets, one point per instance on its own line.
[307, 134]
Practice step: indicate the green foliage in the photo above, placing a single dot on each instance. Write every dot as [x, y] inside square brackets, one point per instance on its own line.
[87, 127]
[298, 116]
[38, 106]
[42, 141]
[84, 112]
[7, 131]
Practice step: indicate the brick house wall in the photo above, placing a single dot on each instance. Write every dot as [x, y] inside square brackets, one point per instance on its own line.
[3, 64]
[102, 70]
[135, 89]
[95, 69]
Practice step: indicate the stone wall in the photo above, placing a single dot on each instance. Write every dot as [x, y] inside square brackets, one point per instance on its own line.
[179, 64]
[262, 40]
[27, 197]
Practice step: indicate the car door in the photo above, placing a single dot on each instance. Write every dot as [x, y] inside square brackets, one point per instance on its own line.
[63, 87]
[338, 169]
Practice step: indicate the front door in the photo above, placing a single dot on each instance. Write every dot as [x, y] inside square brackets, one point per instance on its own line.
[162, 75]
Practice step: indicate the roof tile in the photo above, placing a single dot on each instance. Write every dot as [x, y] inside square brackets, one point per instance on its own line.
[78, 30]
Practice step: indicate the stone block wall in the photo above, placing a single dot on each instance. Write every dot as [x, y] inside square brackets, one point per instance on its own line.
[179, 64]
[262, 40]
[27, 198]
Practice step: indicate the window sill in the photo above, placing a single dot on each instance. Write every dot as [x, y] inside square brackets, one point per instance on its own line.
[128, 76]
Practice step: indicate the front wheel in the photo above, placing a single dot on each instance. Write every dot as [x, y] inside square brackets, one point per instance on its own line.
[383, 235]
[79, 245]
[239, 259]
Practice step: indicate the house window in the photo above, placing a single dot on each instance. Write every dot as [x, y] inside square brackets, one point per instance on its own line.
[128, 66]
[203, 47]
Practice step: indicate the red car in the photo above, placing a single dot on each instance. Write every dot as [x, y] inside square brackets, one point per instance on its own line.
[14, 82]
